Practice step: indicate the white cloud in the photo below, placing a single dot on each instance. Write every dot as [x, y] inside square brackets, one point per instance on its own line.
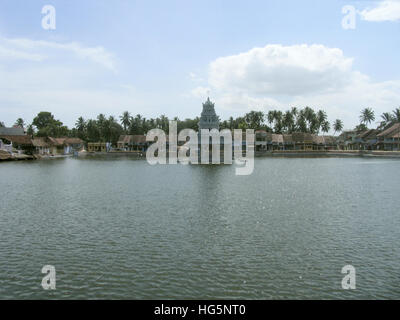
[50, 76]
[12, 54]
[277, 76]
[68, 92]
[388, 10]
[37, 50]
[276, 69]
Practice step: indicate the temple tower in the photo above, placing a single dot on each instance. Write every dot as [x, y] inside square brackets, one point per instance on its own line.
[209, 119]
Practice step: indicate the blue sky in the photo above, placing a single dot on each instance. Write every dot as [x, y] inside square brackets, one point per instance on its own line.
[164, 57]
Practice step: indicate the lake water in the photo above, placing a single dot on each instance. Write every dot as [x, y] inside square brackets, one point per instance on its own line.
[122, 229]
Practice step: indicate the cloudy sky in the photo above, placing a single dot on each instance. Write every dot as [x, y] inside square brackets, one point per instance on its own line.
[165, 57]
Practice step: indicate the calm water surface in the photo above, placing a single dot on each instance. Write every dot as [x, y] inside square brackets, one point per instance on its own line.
[122, 229]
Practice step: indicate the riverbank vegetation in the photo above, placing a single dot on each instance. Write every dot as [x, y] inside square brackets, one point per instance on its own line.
[108, 129]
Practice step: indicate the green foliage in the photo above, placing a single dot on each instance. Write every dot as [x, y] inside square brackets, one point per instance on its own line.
[101, 129]
[30, 130]
[396, 114]
[48, 126]
[20, 122]
[43, 120]
[387, 119]
[361, 127]
[125, 120]
[338, 125]
[367, 116]
[325, 126]
[254, 119]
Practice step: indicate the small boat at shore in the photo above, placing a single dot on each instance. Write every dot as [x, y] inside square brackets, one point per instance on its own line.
[81, 153]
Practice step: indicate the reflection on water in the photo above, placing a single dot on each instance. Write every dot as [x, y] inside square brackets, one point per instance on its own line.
[123, 229]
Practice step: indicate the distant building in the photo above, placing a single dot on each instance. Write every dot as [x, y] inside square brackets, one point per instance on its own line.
[14, 131]
[267, 141]
[21, 143]
[57, 146]
[5, 147]
[43, 145]
[389, 139]
[260, 140]
[346, 140]
[367, 139]
[15, 138]
[325, 143]
[72, 145]
[132, 143]
[99, 147]
[303, 141]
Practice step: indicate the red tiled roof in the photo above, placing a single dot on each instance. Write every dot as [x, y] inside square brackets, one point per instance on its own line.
[324, 139]
[302, 137]
[73, 141]
[394, 129]
[41, 142]
[132, 139]
[25, 140]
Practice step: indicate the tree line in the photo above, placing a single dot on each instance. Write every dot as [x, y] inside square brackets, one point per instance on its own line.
[108, 129]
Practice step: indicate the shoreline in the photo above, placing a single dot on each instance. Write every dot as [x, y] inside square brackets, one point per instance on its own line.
[331, 153]
[276, 153]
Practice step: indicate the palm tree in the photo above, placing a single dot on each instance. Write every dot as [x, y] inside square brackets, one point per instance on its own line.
[113, 129]
[20, 122]
[271, 116]
[125, 119]
[387, 118]
[338, 125]
[276, 117]
[278, 121]
[321, 115]
[254, 119]
[145, 124]
[301, 123]
[288, 121]
[231, 123]
[93, 132]
[152, 124]
[312, 119]
[80, 124]
[367, 116]
[164, 123]
[30, 131]
[325, 126]
[396, 114]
